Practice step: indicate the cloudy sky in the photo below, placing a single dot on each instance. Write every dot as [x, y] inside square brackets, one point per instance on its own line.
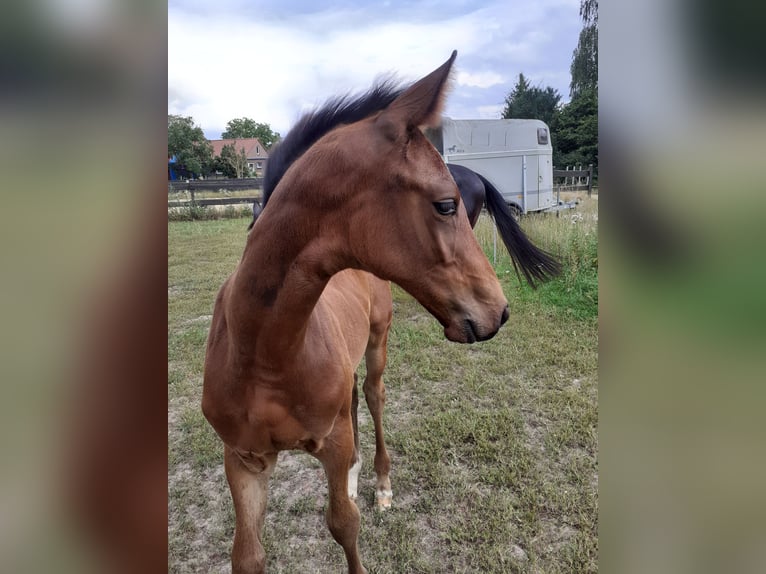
[271, 60]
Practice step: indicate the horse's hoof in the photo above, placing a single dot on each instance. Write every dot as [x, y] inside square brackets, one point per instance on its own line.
[383, 499]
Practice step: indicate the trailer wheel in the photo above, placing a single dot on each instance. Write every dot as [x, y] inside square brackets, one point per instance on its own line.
[515, 211]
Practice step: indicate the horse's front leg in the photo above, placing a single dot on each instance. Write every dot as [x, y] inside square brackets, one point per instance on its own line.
[342, 514]
[248, 475]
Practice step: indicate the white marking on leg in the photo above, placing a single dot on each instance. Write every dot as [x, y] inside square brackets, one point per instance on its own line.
[353, 479]
[383, 498]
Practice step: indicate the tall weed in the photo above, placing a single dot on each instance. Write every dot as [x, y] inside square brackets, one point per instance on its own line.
[572, 236]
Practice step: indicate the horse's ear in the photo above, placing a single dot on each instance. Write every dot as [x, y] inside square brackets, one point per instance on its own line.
[420, 105]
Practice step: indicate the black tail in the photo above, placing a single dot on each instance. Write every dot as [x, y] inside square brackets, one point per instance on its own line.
[536, 265]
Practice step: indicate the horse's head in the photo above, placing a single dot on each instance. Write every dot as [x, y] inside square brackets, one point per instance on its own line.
[406, 220]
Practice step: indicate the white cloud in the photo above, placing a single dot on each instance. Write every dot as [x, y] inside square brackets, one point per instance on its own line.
[479, 79]
[226, 64]
[209, 65]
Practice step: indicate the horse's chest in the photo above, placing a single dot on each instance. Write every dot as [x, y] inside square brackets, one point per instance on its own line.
[300, 414]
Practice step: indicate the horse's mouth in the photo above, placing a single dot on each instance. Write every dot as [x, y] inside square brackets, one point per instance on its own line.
[467, 331]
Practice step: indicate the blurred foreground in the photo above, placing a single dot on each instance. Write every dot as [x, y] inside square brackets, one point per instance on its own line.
[83, 396]
[682, 283]
[83, 399]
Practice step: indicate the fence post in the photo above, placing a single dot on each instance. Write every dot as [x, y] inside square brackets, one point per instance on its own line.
[590, 178]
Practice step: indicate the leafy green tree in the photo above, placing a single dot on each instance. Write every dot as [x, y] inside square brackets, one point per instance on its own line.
[187, 142]
[248, 128]
[584, 68]
[233, 162]
[221, 165]
[576, 136]
[529, 102]
[589, 11]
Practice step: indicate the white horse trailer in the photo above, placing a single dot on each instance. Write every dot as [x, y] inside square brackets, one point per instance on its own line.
[514, 155]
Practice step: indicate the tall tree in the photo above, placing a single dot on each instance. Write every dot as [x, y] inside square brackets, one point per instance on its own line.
[576, 136]
[187, 142]
[249, 128]
[528, 102]
[584, 68]
[589, 11]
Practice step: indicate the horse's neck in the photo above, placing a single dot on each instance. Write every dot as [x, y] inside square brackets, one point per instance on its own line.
[284, 269]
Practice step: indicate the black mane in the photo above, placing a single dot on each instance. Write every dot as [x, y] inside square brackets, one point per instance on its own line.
[315, 124]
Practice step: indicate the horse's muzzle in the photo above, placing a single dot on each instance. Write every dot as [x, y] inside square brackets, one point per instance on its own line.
[470, 332]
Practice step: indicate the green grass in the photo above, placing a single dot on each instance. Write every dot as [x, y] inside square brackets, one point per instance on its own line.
[494, 445]
[185, 195]
[203, 212]
[572, 236]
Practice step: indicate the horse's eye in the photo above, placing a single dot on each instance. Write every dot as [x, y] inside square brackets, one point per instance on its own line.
[447, 207]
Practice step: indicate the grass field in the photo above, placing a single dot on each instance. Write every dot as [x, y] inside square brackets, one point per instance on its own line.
[494, 445]
[186, 196]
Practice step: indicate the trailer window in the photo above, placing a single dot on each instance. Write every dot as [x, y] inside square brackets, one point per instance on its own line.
[542, 136]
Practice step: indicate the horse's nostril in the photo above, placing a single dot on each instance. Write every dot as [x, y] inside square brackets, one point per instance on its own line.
[504, 317]
[472, 334]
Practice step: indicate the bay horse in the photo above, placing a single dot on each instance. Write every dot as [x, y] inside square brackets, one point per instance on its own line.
[476, 191]
[366, 203]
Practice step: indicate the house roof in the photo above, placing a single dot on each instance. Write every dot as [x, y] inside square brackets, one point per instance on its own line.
[254, 149]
